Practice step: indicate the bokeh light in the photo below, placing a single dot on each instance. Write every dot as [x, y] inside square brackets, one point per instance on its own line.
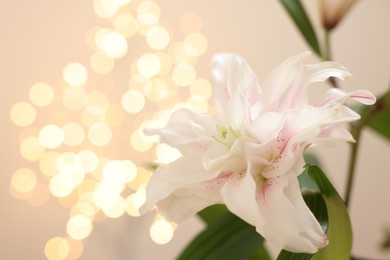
[161, 232]
[99, 134]
[23, 180]
[133, 101]
[101, 63]
[51, 136]
[183, 74]
[76, 142]
[31, 149]
[149, 65]
[114, 45]
[75, 74]
[41, 94]
[157, 38]
[195, 44]
[22, 114]
[74, 98]
[79, 227]
[125, 24]
[73, 134]
[57, 248]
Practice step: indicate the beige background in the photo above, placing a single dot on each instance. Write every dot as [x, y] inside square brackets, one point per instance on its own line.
[38, 38]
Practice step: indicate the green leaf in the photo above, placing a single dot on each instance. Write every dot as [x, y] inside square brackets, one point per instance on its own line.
[209, 214]
[305, 181]
[227, 237]
[379, 116]
[298, 14]
[339, 225]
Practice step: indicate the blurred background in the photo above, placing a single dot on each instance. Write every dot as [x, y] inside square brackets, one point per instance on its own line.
[81, 79]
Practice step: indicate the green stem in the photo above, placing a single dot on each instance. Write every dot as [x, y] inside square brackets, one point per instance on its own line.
[327, 55]
[356, 133]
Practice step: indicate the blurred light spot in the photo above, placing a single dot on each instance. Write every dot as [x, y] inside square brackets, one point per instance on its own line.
[97, 103]
[195, 44]
[76, 248]
[88, 160]
[57, 248]
[23, 180]
[198, 103]
[91, 116]
[148, 12]
[99, 134]
[39, 196]
[115, 172]
[134, 202]
[58, 187]
[190, 22]
[66, 158]
[82, 208]
[138, 143]
[106, 195]
[22, 114]
[41, 94]
[72, 174]
[75, 74]
[70, 200]
[73, 134]
[100, 35]
[105, 8]
[179, 54]
[114, 45]
[27, 132]
[79, 227]
[133, 101]
[126, 25]
[149, 65]
[31, 149]
[161, 232]
[74, 98]
[166, 154]
[165, 63]
[141, 178]
[156, 89]
[157, 38]
[201, 87]
[101, 63]
[51, 136]
[47, 163]
[117, 209]
[114, 115]
[183, 74]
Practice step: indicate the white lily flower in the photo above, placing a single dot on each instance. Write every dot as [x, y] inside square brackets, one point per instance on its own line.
[250, 155]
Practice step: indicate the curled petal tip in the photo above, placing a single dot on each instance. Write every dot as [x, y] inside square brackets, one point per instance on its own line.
[364, 96]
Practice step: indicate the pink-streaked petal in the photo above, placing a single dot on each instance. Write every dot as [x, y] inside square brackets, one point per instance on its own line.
[288, 222]
[280, 80]
[239, 195]
[235, 88]
[337, 95]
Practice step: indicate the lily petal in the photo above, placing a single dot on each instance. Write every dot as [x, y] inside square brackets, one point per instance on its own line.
[187, 131]
[235, 88]
[337, 95]
[239, 195]
[288, 222]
